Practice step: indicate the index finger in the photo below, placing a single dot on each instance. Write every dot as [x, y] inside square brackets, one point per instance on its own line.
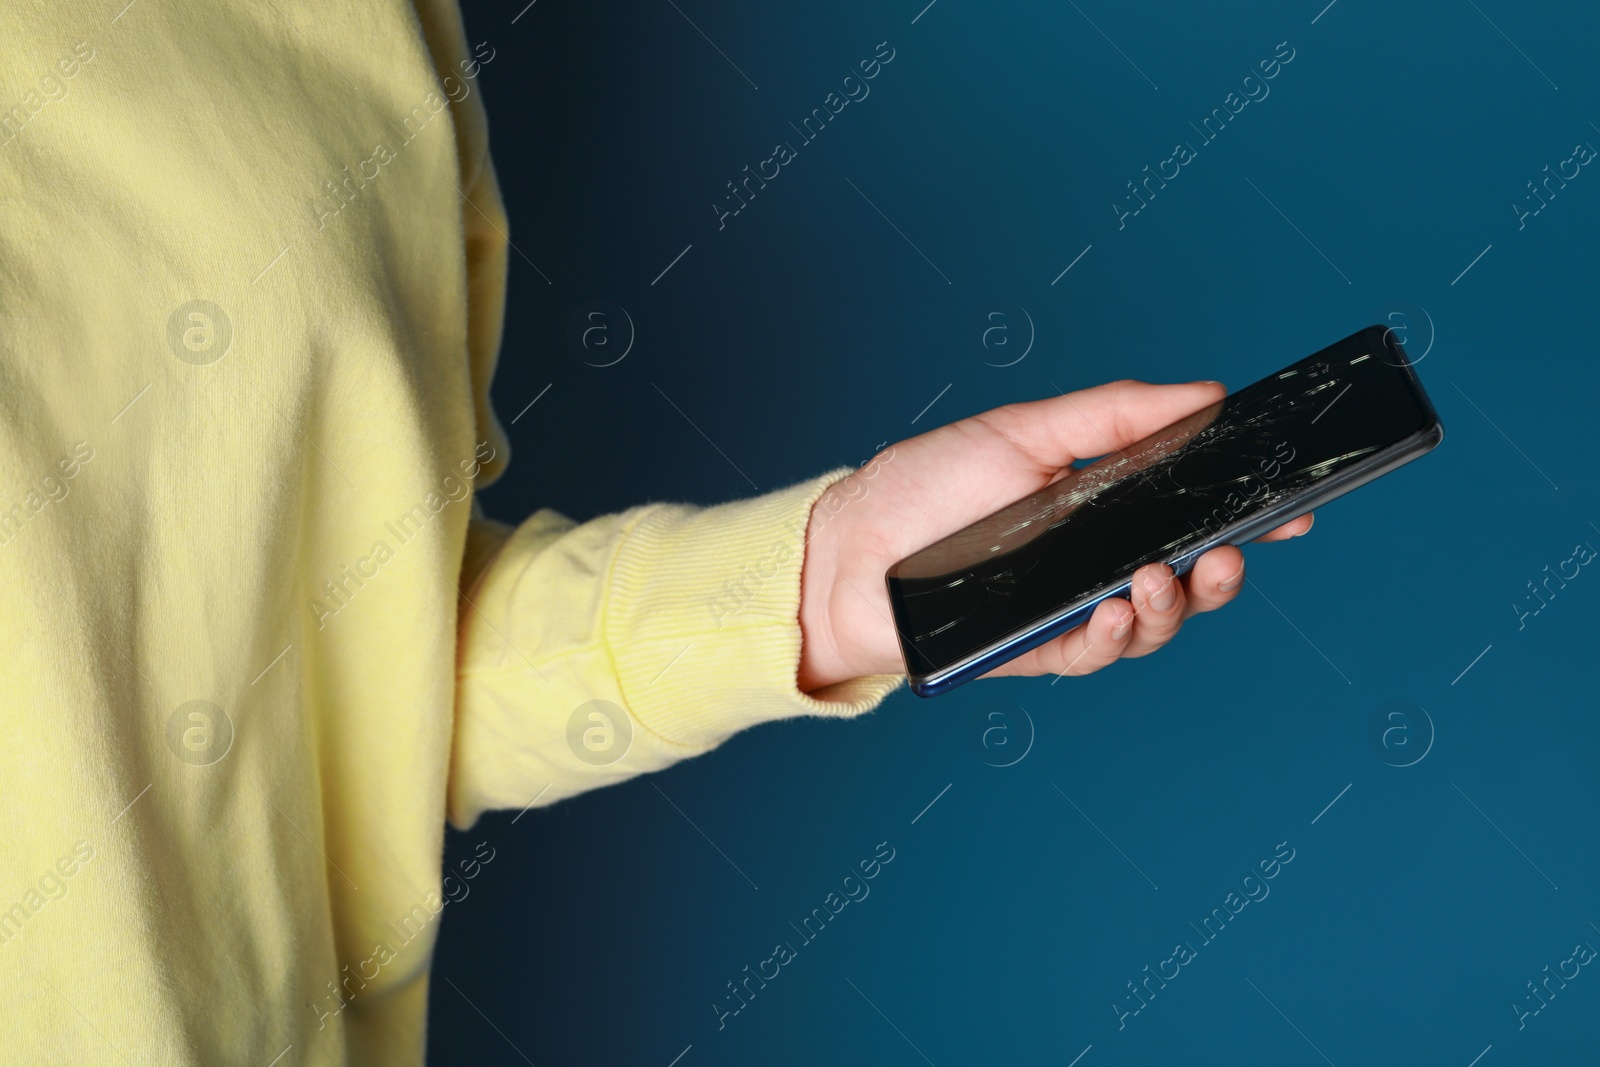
[1292, 528]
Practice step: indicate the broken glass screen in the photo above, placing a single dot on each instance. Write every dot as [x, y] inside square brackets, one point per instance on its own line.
[1173, 491]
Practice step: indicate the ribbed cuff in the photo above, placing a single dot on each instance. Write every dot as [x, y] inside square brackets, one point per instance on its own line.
[703, 618]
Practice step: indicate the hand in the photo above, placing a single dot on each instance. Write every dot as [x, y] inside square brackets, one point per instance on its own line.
[918, 491]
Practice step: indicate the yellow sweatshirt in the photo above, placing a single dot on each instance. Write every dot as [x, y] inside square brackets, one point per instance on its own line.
[257, 641]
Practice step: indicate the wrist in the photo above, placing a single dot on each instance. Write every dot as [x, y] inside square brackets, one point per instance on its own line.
[845, 632]
[820, 662]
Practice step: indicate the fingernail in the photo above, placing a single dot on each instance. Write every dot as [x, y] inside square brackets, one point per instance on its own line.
[1121, 629]
[1161, 593]
[1233, 583]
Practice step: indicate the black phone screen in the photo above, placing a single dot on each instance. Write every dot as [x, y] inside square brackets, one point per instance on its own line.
[1175, 490]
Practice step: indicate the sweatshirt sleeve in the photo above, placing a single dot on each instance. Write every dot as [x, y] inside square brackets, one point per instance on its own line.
[590, 653]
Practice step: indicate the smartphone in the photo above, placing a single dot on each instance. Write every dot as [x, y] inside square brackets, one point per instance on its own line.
[1225, 475]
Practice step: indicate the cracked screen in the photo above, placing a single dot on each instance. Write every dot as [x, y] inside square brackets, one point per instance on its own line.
[1174, 491]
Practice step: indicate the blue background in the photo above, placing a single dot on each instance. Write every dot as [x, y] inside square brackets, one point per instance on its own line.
[808, 331]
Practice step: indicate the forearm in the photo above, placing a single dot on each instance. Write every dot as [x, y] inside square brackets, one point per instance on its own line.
[685, 621]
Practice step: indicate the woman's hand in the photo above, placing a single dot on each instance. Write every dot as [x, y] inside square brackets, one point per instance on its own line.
[918, 491]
